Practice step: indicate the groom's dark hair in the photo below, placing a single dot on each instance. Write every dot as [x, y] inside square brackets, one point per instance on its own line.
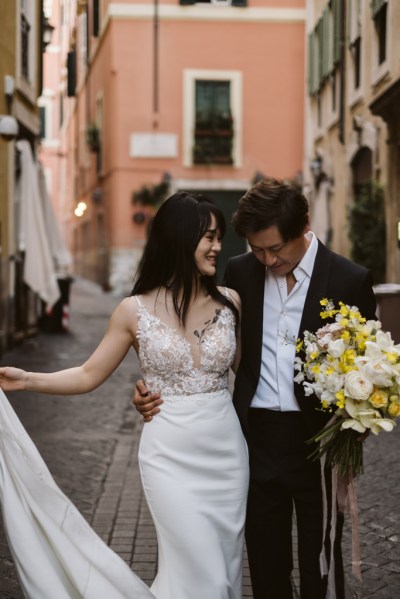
[271, 202]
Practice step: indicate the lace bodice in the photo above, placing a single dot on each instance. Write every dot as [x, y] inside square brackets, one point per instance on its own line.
[172, 365]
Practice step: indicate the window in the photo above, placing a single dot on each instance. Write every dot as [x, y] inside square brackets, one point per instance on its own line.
[213, 132]
[96, 18]
[212, 128]
[99, 122]
[321, 51]
[71, 70]
[25, 29]
[380, 18]
[42, 116]
[27, 43]
[355, 8]
[356, 55]
[61, 108]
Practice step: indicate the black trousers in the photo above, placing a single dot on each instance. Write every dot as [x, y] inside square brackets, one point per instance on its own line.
[282, 477]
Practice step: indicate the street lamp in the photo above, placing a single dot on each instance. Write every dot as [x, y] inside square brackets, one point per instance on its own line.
[47, 32]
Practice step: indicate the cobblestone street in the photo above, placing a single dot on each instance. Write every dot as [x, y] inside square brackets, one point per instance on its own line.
[90, 444]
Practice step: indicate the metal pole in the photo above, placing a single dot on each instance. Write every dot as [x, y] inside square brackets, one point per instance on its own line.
[155, 65]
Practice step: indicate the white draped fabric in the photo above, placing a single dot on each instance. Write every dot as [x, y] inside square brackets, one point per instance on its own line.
[58, 247]
[39, 271]
[56, 553]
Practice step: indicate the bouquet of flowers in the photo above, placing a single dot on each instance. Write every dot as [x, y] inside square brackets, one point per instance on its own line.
[353, 367]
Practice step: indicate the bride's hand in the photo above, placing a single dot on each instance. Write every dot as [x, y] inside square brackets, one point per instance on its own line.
[12, 379]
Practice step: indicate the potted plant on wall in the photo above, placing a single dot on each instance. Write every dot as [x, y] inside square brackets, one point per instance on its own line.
[150, 196]
[93, 137]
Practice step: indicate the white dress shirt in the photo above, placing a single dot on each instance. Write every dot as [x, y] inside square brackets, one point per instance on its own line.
[281, 323]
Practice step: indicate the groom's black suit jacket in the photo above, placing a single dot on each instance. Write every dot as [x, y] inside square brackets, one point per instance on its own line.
[333, 277]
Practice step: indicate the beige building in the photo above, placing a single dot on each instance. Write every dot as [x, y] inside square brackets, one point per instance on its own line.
[20, 83]
[352, 128]
[155, 97]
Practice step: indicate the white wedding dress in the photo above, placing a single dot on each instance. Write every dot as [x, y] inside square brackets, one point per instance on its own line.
[194, 466]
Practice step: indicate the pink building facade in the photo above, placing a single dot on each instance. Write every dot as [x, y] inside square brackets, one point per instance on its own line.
[159, 97]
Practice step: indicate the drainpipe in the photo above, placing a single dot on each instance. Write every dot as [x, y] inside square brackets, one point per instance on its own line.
[342, 73]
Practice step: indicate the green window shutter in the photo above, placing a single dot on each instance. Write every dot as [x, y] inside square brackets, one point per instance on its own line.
[376, 6]
[239, 2]
[319, 32]
[311, 63]
[186, 2]
[325, 43]
[337, 28]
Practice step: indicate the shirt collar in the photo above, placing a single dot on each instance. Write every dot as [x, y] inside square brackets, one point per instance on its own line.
[306, 264]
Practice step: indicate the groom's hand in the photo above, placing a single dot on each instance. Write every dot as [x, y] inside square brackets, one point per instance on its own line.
[146, 403]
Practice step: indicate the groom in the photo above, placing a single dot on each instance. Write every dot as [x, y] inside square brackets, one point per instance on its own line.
[281, 282]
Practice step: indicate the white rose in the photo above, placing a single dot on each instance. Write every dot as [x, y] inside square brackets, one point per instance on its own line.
[336, 348]
[357, 386]
[378, 372]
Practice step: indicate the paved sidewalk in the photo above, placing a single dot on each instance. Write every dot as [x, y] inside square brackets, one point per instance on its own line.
[90, 445]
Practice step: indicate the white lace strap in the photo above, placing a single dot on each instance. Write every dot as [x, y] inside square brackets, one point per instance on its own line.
[137, 298]
[227, 294]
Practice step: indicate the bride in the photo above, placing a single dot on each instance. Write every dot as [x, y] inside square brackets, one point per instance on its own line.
[193, 457]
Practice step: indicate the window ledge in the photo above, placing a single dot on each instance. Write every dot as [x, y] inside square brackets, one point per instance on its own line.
[356, 96]
[379, 73]
[333, 120]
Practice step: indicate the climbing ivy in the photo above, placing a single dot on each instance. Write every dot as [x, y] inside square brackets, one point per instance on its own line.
[367, 229]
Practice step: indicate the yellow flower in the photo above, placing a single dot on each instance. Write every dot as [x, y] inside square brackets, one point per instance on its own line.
[379, 398]
[324, 301]
[349, 356]
[314, 355]
[391, 356]
[316, 369]
[326, 405]
[341, 400]
[344, 311]
[328, 313]
[344, 322]
[299, 345]
[394, 409]
[343, 363]
[345, 335]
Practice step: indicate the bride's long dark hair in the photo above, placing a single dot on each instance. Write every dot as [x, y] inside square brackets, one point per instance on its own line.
[168, 258]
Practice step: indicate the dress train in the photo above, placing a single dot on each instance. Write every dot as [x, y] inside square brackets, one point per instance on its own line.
[56, 553]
